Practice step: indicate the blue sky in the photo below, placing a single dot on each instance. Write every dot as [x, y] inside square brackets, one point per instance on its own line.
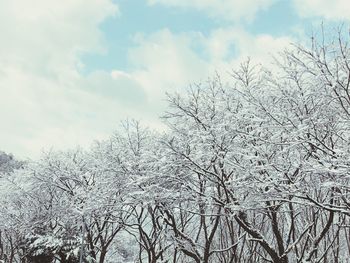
[71, 70]
[140, 17]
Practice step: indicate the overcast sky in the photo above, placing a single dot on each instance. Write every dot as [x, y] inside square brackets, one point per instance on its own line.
[70, 70]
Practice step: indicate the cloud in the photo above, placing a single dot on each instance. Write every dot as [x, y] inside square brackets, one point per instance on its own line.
[39, 113]
[233, 10]
[47, 102]
[167, 62]
[230, 46]
[115, 85]
[42, 102]
[163, 60]
[46, 36]
[332, 10]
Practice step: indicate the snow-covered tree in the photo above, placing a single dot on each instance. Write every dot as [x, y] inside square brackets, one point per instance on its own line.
[251, 170]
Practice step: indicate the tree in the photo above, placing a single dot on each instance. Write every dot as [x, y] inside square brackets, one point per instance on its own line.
[255, 170]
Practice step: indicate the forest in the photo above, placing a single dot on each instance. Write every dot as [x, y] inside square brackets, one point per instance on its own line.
[254, 169]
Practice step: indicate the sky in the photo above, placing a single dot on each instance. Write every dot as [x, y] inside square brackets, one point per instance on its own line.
[72, 70]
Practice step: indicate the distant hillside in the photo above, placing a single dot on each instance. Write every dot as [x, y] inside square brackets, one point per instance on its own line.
[8, 163]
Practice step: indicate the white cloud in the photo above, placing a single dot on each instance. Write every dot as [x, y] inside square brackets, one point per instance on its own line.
[164, 61]
[41, 102]
[222, 9]
[46, 36]
[260, 48]
[39, 112]
[116, 85]
[167, 62]
[333, 10]
[45, 101]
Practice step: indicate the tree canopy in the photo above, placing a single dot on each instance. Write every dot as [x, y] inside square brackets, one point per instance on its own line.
[252, 170]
